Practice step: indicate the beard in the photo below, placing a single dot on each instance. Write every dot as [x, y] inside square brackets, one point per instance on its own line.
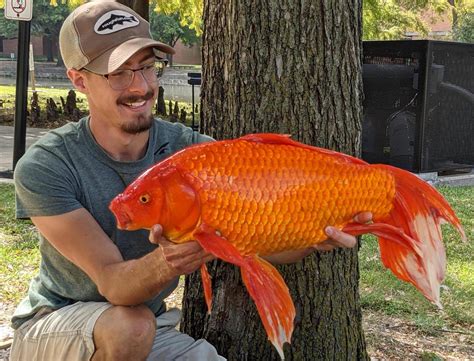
[142, 122]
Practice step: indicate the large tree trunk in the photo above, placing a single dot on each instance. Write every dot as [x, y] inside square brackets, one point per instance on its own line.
[288, 67]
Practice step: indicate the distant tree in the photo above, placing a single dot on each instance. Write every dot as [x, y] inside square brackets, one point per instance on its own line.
[392, 19]
[8, 28]
[140, 6]
[464, 28]
[47, 21]
[168, 29]
[190, 11]
[463, 20]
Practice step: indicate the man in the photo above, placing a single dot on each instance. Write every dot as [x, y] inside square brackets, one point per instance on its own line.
[99, 293]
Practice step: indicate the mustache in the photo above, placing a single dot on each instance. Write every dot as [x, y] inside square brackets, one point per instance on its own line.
[135, 98]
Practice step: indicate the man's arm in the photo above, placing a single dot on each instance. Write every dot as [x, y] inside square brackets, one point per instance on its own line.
[79, 238]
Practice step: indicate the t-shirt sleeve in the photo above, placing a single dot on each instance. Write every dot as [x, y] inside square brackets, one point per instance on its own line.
[44, 185]
[200, 138]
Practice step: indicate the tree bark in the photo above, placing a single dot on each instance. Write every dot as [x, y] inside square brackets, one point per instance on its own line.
[48, 48]
[285, 67]
[454, 12]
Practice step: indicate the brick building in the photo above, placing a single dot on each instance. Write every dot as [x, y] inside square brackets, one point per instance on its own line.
[184, 55]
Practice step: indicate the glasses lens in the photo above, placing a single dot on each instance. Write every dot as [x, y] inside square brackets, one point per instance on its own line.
[149, 72]
[120, 80]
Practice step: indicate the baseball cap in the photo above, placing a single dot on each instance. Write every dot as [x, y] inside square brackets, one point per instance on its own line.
[102, 35]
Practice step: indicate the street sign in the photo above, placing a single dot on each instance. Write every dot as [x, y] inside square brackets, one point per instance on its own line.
[19, 9]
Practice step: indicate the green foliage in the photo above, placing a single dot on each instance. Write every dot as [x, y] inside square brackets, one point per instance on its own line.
[190, 11]
[8, 28]
[464, 29]
[391, 19]
[168, 29]
[47, 20]
[382, 19]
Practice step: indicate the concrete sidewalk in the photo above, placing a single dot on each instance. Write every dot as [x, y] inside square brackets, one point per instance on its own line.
[6, 145]
[32, 134]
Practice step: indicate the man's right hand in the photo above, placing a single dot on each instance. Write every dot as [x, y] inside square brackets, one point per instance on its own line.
[181, 258]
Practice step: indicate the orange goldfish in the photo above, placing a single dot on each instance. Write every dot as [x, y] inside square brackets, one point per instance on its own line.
[265, 193]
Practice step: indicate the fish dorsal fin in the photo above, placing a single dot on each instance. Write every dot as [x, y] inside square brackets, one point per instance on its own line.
[285, 139]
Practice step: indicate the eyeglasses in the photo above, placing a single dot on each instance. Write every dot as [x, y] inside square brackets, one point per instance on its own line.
[122, 79]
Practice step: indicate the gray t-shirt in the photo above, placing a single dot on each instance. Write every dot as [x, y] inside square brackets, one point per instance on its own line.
[67, 170]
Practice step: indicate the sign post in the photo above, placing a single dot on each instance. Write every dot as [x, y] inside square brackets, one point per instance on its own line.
[21, 10]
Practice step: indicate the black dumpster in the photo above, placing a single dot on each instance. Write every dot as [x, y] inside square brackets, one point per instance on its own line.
[419, 104]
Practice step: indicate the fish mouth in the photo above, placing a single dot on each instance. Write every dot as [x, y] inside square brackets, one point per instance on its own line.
[123, 219]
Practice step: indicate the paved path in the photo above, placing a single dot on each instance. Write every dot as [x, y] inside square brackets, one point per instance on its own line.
[32, 134]
[6, 144]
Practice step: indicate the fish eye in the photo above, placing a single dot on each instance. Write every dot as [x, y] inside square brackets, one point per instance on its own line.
[144, 198]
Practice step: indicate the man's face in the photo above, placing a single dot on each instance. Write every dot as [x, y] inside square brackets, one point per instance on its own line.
[129, 109]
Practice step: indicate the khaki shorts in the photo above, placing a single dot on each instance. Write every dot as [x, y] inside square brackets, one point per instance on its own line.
[67, 334]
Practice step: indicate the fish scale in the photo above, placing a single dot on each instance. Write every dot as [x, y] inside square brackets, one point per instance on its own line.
[309, 188]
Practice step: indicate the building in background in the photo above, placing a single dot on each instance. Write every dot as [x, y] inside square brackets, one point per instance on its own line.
[185, 55]
[441, 27]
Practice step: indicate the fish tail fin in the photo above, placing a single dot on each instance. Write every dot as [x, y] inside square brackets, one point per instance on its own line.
[410, 237]
[272, 297]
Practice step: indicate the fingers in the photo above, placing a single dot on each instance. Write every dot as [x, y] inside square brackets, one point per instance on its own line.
[363, 217]
[181, 258]
[338, 238]
[156, 235]
[187, 264]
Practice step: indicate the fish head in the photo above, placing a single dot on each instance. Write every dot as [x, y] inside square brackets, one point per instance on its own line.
[162, 196]
[140, 206]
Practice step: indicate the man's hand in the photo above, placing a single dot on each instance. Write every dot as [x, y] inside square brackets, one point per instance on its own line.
[338, 238]
[182, 258]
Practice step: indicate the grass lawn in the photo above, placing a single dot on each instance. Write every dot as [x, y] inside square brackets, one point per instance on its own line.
[7, 95]
[19, 255]
[7, 102]
[380, 290]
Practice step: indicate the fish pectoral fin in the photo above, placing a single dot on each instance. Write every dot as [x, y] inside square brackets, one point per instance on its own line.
[217, 245]
[208, 239]
[264, 284]
[206, 284]
[272, 297]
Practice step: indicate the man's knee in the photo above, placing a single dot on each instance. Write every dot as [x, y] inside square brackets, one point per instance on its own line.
[124, 333]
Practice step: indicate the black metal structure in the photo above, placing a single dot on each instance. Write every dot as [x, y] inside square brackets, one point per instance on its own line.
[419, 104]
[21, 96]
[194, 79]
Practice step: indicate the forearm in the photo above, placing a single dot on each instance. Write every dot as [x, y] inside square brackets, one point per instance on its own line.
[135, 281]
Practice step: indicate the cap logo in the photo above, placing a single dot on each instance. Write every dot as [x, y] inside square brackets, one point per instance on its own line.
[114, 21]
